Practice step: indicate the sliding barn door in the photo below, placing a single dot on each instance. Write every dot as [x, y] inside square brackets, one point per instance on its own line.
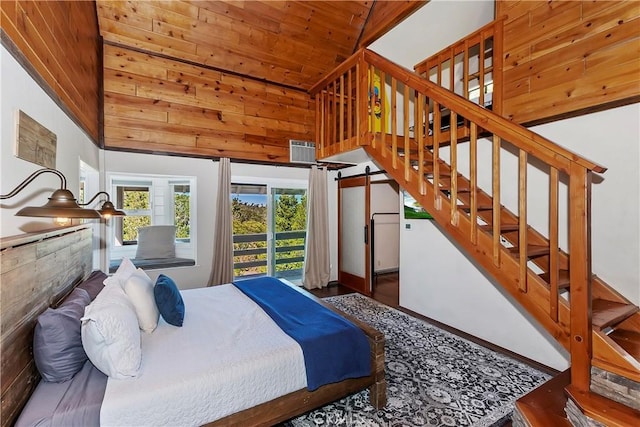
[354, 234]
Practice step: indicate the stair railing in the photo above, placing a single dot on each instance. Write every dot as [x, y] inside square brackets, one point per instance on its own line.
[400, 119]
[467, 66]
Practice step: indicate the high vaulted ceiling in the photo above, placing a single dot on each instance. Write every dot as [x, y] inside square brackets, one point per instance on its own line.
[291, 43]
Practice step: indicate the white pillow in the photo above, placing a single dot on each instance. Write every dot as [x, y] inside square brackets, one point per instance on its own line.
[125, 269]
[110, 334]
[139, 289]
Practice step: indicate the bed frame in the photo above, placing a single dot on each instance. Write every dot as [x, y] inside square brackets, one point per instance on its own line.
[37, 270]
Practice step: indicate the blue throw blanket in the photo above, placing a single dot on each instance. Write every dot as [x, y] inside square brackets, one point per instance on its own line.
[334, 349]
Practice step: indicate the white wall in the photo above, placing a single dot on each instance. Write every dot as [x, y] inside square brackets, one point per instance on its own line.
[610, 138]
[437, 280]
[432, 28]
[18, 91]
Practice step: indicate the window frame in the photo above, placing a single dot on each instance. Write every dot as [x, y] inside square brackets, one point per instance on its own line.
[161, 209]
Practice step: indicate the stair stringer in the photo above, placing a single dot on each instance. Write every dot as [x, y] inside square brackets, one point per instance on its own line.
[610, 356]
[535, 301]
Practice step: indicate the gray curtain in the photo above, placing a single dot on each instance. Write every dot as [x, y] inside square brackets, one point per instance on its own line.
[222, 264]
[316, 258]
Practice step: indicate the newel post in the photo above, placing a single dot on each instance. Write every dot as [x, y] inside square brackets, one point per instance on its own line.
[580, 275]
[362, 94]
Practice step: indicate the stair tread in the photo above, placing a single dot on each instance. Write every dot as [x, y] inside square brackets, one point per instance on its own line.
[532, 250]
[545, 404]
[563, 278]
[628, 340]
[503, 227]
[608, 313]
[467, 208]
[445, 184]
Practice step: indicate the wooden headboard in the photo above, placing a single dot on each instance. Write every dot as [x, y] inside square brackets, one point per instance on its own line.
[36, 271]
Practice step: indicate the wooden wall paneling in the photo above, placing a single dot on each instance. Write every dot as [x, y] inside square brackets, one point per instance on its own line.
[46, 41]
[256, 38]
[155, 104]
[574, 57]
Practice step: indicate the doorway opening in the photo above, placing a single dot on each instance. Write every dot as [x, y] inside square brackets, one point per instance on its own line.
[269, 230]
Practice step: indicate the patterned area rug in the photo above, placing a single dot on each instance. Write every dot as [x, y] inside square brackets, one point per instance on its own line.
[434, 378]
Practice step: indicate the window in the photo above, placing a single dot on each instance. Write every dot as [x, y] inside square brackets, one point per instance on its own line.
[269, 228]
[135, 201]
[152, 200]
[181, 210]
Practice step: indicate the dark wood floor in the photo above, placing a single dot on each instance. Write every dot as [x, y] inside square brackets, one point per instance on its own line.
[385, 289]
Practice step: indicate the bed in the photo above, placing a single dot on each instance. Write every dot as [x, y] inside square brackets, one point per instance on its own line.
[56, 262]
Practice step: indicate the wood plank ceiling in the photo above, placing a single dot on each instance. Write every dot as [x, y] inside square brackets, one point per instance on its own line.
[292, 43]
[225, 78]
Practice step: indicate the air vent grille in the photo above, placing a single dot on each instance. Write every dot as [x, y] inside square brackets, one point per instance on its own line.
[302, 151]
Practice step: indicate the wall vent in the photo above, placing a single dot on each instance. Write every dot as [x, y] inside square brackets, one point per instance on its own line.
[302, 151]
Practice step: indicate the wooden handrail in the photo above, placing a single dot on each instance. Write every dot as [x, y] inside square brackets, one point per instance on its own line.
[349, 63]
[532, 143]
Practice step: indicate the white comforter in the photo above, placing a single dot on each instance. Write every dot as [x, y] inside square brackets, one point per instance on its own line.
[228, 356]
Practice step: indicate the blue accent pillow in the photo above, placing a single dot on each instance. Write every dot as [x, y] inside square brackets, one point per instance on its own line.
[169, 300]
[57, 343]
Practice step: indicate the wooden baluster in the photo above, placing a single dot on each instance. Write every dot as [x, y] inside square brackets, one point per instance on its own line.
[473, 164]
[383, 114]
[407, 147]
[437, 117]
[350, 104]
[553, 244]
[522, 221]
[453, 128]
[325, 121]
[452, 74]
[481, 71]
[334, 118]
[465, 69]
[394, 123]
[419, 133]
[366, 133]
[580, 275]
[342, 99]
[319, 129]
[372, 103]
[358, 103]
[497, 62]
[496, 199]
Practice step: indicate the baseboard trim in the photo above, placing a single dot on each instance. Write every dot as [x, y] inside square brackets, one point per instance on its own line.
[534, 364]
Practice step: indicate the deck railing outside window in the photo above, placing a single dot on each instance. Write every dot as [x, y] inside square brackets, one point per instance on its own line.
[250, 254]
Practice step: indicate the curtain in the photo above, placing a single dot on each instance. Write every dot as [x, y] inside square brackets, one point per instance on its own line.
[222, 264]
[316, 258]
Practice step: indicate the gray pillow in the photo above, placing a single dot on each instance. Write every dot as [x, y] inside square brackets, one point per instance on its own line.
[156, 241]
[93, 284]
[57, 344]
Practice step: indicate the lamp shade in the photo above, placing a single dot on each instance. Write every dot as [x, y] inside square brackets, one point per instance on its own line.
[108, 210]
[61, 204]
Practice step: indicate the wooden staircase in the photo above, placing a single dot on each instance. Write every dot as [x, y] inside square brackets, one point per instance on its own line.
[548, 273]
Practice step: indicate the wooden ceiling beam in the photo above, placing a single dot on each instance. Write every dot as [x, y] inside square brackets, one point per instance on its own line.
[384, 16]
